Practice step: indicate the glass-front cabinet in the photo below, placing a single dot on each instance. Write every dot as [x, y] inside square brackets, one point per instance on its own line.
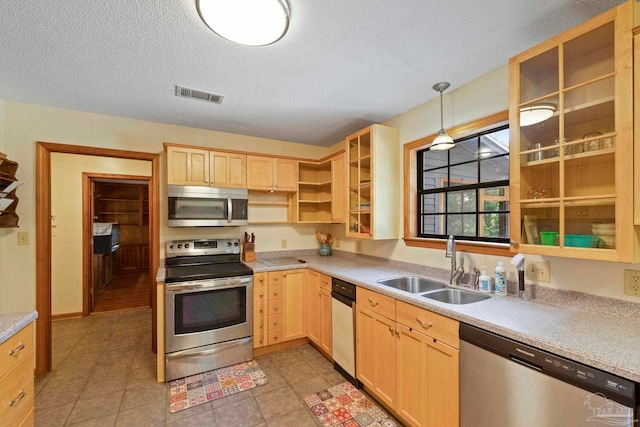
[571, 114]
[372, 183]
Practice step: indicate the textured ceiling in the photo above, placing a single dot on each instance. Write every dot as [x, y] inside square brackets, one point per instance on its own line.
[342, 65]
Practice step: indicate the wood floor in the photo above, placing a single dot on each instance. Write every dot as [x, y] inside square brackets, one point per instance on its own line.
[128, 289]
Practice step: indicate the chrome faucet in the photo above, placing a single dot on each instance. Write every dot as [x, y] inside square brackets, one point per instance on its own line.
[456, 272]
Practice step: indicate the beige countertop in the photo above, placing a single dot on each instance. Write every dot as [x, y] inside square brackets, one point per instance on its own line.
[12, 323]
[607, 341]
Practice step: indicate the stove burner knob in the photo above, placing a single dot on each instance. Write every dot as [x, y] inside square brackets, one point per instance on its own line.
[180, 246]
[236, 244]
[186, 245]
[171, 246]
[228, 243]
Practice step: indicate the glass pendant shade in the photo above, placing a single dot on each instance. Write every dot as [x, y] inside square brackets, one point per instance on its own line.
[246, 22]
[536, 113]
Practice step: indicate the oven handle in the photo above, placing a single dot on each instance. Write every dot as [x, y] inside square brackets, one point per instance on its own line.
[194, 286]
[191, 353]
[229, 210]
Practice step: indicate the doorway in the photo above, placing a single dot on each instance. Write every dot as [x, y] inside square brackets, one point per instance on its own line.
[44, 151]
[119, 210]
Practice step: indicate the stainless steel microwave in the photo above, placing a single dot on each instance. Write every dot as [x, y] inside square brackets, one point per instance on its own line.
[191, 206]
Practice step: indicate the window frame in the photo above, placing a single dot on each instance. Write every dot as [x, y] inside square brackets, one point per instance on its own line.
[410, 149]
[445, 192]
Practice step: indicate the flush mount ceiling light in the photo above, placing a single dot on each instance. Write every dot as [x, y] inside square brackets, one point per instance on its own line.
[246, 22]
[536, 113]
[442, 141]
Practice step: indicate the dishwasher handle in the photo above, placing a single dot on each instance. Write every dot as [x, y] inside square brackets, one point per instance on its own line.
[339, 297]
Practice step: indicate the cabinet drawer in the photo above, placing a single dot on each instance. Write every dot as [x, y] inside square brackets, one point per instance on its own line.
[259, 338]
[260, 280]
[275, 292]
[20, 345]
[274, 336]
[275, 278]
[376, 302]
[30, 419]
[428, 323]
[274, 308]
[260, 294]
[325, 282]
[260, 309]
[275, 321]
[18, 382]
[260, 324]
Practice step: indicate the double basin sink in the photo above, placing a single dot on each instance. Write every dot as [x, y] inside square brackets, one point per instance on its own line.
[433, 289]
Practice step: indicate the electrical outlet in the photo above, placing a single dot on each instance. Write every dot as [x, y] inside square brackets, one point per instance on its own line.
[632, 283]
[539, 271]
[283, 243]
[23, 237]
[336, 242]
[359, 246]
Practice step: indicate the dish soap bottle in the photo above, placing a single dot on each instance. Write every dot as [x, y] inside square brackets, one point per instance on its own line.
[501, 280]
[484, 281]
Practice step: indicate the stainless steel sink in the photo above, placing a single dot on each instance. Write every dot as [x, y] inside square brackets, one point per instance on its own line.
[412, 284]
[455, 296]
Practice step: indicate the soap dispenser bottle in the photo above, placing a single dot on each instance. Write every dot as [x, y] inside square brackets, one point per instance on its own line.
[484, 281]
[501, 280]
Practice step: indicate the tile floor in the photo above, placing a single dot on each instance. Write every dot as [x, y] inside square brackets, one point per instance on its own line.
[104, 375]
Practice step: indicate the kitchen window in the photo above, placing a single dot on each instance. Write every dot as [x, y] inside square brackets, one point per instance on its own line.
[464, 191]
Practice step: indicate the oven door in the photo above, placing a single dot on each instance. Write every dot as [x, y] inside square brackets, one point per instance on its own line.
[208, 312]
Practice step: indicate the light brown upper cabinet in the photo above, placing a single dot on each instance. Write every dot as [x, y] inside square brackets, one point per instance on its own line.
[571, 192]
[321, 190]
[187, 166]
[272, 174]
[373, 174]
[228, 169]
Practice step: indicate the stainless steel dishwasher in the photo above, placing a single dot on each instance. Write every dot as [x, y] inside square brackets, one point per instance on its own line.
[343, 297]
[504, 383]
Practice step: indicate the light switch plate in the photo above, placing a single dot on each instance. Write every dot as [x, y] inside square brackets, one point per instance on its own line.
[23, 237]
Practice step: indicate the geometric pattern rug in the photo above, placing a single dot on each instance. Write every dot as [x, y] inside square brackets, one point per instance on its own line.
[344, 405]
[197, 389]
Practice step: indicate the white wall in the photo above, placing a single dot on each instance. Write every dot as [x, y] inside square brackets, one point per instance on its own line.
[66, 205]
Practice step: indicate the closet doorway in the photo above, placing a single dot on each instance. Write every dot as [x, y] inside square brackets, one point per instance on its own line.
[119, 209]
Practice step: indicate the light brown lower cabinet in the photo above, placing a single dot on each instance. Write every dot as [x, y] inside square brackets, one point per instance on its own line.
[319, 311]
[16, 379]
[407, 357]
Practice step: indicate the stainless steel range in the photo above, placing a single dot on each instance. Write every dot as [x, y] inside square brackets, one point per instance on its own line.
[208, 306]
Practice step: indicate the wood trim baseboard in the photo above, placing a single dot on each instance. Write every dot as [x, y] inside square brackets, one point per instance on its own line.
[66, 316]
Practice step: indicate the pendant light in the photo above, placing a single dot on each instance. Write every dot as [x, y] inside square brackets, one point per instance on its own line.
[442, 141]
[246, 22]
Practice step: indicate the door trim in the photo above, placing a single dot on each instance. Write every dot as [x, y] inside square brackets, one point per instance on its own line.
[43, 235]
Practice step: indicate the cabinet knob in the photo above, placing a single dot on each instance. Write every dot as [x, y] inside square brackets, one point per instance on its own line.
[261, 340]
[261, 310]
[390, 329]
[275, 337]
[397, 333]
[275, 323]
[319, 293]
[275, 293]
[261, 279]
[261, 294]
[275, 308]
[275, 278]
[260, 325]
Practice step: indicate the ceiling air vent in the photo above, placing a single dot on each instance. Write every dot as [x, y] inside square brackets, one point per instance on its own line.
[198, 94]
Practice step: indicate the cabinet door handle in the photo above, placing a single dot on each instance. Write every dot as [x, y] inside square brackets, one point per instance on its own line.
[373, 302]
[423, 323]
[17, 399]
[17, 350]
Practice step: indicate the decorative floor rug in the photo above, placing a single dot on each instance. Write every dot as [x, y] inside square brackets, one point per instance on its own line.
[197, 389]
[344, 405]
